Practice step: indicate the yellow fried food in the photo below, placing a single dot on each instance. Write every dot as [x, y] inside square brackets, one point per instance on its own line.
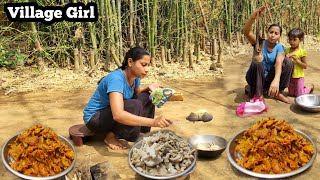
[273, 147]
[39, 152]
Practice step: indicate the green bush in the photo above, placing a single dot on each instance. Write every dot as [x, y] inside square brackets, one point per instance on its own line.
[11, 58]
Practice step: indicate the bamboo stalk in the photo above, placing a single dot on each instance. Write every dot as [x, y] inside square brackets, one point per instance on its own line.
[169, 56]
[131, 23]
[238, 39]
[214, 47]
[119, 30]
[139, 41]
[203, 17]
[102, 29]
[203, 43]
[149, 32]
[76, 59]
[169, 26]
[185, 52]
[93, 37]
[35, 36]
[115, 27]
[198, 52]
[153, 31]
[219, 62]
[177, 47]
[190, 59]
[163, 56]
[109, 32]
[92, 63]
[182, 40]
[81, 58]
[115, 57]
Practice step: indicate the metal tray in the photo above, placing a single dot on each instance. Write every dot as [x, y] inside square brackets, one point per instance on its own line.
[186, 172]
[6, 159]
[232, 155]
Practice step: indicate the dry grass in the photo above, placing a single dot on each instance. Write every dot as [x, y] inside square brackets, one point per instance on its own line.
[28, 79]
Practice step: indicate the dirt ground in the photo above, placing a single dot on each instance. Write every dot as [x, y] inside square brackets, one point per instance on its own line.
[60, 109]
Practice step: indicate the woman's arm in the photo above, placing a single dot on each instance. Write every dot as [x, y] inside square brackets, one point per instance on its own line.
[274, 86]
[141, 89]
[247, 28]
[124, 117]
[151, 87]
[278, 66]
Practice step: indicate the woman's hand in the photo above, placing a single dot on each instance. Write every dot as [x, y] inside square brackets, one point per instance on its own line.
[154, 86]
[274, 89]
[258, 11]
[162, 122]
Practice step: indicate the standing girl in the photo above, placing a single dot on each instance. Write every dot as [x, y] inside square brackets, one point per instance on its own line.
[299, 58]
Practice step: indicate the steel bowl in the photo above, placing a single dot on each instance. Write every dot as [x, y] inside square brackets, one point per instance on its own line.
[6, 159]
[211, 139]
[309, 102]
[182, 175]
[233, 155]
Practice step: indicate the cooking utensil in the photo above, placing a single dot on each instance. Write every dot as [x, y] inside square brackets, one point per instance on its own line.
[196, 140]
[233, 155]
[309, 102]
[6, 159]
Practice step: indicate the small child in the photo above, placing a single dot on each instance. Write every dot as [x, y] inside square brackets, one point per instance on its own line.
[298, 57]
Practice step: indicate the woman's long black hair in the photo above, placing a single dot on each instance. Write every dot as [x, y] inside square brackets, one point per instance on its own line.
[135, 54]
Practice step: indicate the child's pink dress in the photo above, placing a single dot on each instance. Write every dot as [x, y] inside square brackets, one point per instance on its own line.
[296, 87]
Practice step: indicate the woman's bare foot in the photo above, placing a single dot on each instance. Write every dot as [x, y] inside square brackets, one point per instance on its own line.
[112, 142]
[282, 98]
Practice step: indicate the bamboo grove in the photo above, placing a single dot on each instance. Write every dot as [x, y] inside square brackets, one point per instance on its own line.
[172, 30]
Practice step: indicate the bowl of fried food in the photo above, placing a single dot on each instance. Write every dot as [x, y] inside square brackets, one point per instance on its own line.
[309, 102]
[208, 146]
[271, 149]
[38, 153]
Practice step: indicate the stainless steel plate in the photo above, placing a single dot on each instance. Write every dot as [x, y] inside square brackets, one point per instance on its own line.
[232, 155]
[6, 159]
[186, 172]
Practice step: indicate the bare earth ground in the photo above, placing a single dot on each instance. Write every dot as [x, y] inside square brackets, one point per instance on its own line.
[59, 108]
